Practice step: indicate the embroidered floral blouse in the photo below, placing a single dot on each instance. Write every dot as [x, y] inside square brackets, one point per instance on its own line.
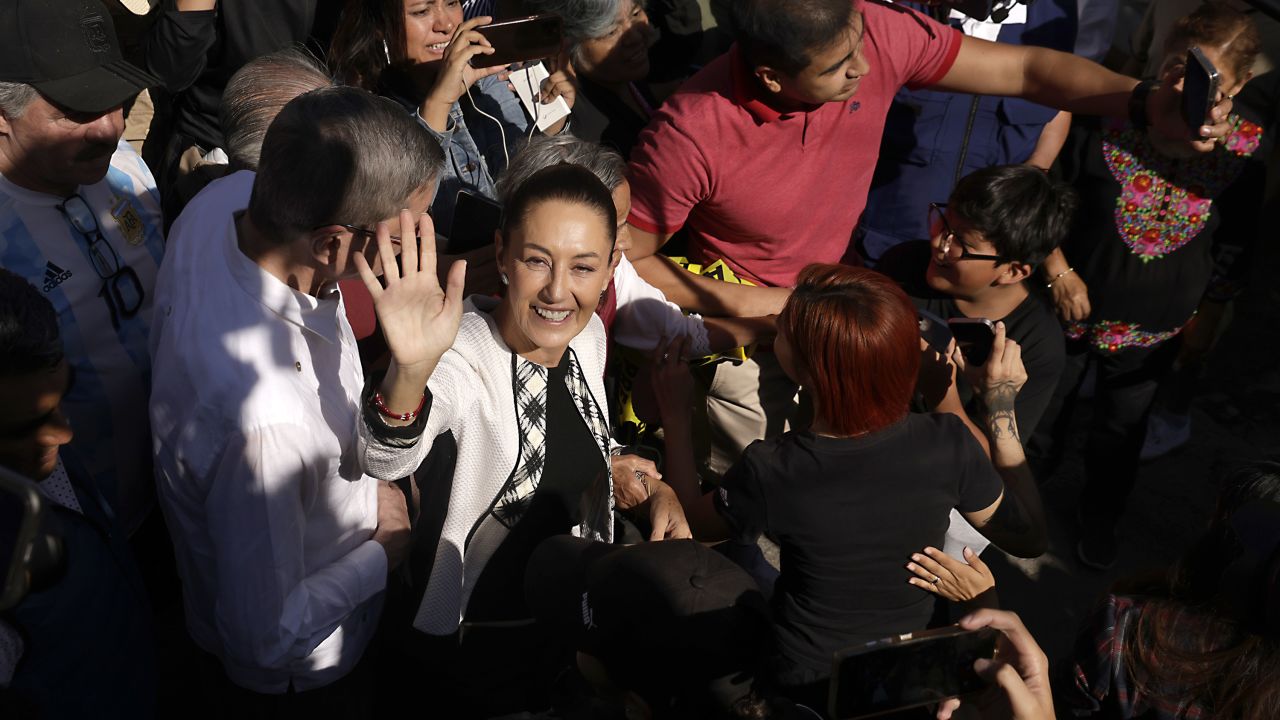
[1145, 232]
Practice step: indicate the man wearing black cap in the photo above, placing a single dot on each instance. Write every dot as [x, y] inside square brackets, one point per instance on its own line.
[80, 220]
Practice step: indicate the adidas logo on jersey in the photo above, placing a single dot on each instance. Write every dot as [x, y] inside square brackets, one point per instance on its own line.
[54, 276]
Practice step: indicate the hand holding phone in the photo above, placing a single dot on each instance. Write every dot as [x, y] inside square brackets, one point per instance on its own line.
[459, 70]
[908, 671]
[974, 337]
[521, 39]
[1200, 87]
[1019, 672]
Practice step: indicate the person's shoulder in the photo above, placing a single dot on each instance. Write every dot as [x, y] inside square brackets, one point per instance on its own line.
[1035, 327]
[127, 163]
[938, 429]
[906, 264]
[216, 201]
[706, 95]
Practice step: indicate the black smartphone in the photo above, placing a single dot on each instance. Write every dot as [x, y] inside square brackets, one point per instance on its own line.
[974, 337]
[520, 39]
[908, 671]
[934, 330]
[976, 9]
[21, 508]
[475, 219]
[1199, 91]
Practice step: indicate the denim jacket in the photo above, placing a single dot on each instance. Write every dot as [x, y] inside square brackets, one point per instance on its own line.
[474, 149]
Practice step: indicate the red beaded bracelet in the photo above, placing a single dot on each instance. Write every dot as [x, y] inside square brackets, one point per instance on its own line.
[381, 404]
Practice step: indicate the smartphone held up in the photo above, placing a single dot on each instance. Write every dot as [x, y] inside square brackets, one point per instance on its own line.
[908, 671]
[1200, 88]
[520, 40]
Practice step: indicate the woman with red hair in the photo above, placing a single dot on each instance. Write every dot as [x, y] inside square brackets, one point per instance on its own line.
[867, 484]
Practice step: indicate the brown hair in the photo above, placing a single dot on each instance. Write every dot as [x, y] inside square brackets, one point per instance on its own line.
[1192, 642]
[854, 334]
[1219, 26]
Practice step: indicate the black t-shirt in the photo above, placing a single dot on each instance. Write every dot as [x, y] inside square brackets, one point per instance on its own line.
[573, 466]
[848, 513]
[1032, 325]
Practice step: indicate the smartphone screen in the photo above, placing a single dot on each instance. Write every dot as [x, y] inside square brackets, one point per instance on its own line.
[974, 337]
[1199, 91]
[899, 673]
[475, 219]
[527, 38]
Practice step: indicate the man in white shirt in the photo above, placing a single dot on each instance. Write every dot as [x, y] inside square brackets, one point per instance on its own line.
[283, 545]
[80, 220]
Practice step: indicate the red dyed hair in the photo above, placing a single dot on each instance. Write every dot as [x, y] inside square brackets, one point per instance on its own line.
[855, 339]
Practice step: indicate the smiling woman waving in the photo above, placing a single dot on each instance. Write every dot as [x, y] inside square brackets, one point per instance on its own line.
[518, 380]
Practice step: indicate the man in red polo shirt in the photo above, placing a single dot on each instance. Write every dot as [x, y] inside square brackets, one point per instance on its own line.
[766, 155]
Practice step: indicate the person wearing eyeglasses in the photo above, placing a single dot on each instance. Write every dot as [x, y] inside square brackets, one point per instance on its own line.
[80, 219]
[282, 543]
[997, 227]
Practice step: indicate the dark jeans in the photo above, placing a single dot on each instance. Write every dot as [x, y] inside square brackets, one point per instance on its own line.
[1126, 386]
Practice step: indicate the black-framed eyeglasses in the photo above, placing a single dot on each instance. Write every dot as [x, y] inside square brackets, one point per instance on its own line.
[358, 230]
[949, 243]
[121, 287]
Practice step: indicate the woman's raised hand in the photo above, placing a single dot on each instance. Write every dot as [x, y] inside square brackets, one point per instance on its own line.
[456, 73]
[419, 319]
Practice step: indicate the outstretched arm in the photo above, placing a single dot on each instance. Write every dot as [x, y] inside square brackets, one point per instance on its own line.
[1068, 82]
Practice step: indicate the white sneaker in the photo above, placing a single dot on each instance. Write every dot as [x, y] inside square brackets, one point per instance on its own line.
[1166, 432]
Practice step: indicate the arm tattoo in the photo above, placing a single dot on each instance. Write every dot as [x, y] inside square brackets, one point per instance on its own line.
[1001, 421]
[1003, 425]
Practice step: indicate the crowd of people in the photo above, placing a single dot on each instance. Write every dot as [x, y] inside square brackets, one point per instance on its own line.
[829, 279]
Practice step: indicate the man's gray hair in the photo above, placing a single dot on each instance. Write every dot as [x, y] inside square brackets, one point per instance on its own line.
[544, 151]
[14, 99]
[255, 95]
[340, 155]
[583, 19]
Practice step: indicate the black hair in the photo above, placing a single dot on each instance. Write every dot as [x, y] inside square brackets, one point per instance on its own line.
[1019, 209]
[565, 182]
[369, 39]
[29, 338]
[782, 34]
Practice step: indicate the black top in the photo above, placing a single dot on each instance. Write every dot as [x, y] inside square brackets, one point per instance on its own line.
[1145, 229]
[195, 53]
[608, 120]
[1032, 325]
[848, 513]
[573, 464]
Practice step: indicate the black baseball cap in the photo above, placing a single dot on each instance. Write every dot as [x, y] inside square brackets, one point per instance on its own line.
[666, 619]
[67, 50]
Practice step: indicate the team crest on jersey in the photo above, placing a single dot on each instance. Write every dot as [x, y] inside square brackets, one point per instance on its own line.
[129, 222]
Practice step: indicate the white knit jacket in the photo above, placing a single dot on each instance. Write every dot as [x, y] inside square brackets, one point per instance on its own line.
[473, 392]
